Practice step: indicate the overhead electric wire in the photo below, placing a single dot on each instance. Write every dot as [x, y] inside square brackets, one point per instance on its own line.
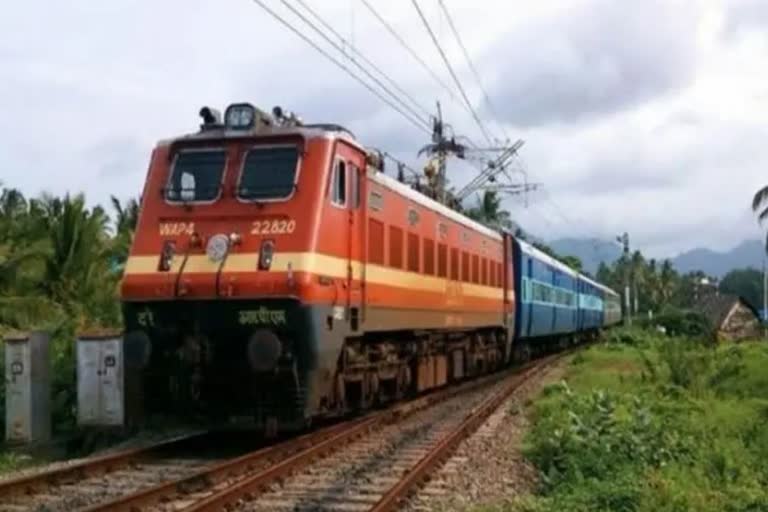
[367, 61]
[417, 121]
[470, 64]
[362, 68]
[413, 54]
[452, 72]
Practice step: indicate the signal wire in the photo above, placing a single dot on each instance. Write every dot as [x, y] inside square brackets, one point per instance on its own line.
[367, 61]
[417, 122]
[452, 72]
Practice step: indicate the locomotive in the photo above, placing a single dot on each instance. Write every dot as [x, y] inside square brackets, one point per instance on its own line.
[278, 275]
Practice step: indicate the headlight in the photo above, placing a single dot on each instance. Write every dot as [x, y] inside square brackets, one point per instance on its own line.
[240, 116]
[217, 247]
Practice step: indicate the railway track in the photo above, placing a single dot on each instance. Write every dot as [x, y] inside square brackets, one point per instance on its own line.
[369, 463]
[51, 489]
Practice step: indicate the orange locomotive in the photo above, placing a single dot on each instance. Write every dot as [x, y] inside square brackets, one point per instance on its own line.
[278, 275]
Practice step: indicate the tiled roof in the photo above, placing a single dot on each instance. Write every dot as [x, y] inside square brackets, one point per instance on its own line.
[715, 306]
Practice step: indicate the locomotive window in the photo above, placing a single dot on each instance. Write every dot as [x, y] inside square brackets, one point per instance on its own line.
[196, 176]
[413, 252]
[492, 273]
[429, 257]
[339, 183]
[442, 260]
[464, 266]
[375, 242]
[395, 247]
[268, 173]
[354, 186]
[484, 271]
[454, 264]
[475, 268]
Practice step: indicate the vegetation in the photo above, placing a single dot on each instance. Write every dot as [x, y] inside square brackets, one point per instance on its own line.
[643, 423]
[745, 282]
[488, 211]
[60, 265]
[760, 207]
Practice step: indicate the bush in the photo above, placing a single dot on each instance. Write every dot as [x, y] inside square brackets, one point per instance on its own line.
[684, 431]
[681, 322]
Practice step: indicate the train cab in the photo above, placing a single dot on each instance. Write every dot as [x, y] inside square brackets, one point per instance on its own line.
[225, 287]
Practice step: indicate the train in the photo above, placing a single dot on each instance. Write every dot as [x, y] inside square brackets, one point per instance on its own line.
[278, 276]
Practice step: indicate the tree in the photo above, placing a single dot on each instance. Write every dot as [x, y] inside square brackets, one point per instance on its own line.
[746, 283]
[760, 206]
[126, 218]
[488, 211]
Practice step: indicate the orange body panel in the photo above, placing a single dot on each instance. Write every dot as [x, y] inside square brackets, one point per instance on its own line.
[323, 253]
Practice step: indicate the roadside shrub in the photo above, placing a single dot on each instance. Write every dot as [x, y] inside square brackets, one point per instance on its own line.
[682, 428]
[632, 336]
[681, 322]
[582, 437]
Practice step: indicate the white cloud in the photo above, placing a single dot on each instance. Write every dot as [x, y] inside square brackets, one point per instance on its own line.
[638, 116]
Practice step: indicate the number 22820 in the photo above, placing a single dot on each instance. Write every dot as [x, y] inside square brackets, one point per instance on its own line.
[273, 227]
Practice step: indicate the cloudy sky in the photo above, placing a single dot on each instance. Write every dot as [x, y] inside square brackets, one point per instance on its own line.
[648, 116]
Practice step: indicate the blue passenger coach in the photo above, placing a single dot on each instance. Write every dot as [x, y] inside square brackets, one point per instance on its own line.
[547, 298]
[591, 304]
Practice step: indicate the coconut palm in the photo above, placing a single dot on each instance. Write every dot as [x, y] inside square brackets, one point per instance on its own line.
[126, 218]
[760, 203]
[488, 210]
[667, 281]
[760, 206]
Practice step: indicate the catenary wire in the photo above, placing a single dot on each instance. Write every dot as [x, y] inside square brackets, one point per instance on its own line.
[471, 65]
[452, 72]
[365, 59]
[362, 68]
[413, 54]
[416, 122]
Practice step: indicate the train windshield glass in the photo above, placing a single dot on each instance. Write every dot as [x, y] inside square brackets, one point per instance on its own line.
[196, 175]
[269, 173]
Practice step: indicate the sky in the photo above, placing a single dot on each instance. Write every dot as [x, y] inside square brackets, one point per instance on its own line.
[645, 116]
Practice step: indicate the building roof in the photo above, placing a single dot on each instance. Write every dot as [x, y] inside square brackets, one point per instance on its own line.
[716, 306]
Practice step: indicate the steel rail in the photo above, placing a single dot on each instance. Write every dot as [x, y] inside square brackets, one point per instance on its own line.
[36, 482]
[254, 484]
[221, 471]
[445, 447]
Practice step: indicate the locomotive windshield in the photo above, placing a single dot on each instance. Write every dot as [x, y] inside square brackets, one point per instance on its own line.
[269, 173]
[196, 175]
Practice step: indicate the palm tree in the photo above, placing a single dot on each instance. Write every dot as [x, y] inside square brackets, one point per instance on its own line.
[489, 212]
[667, 281]
[127, 216]
[760, 203]
[760, 206]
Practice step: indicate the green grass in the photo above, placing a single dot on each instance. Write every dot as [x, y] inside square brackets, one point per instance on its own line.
[10, 462]
[645, 423]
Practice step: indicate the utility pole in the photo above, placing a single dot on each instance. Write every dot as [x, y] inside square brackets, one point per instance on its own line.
[624, 241]
[438, 138]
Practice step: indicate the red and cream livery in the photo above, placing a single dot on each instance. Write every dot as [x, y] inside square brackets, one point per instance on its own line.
[278, 275]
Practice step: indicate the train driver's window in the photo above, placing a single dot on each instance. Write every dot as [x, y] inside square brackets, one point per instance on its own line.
[196, 175]
[339, 184]
[354, 186]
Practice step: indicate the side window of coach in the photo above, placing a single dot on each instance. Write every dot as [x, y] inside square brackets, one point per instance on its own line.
[339, 184]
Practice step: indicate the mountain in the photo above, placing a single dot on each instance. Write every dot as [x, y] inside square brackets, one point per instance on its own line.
[748, 253]
[591, 251]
